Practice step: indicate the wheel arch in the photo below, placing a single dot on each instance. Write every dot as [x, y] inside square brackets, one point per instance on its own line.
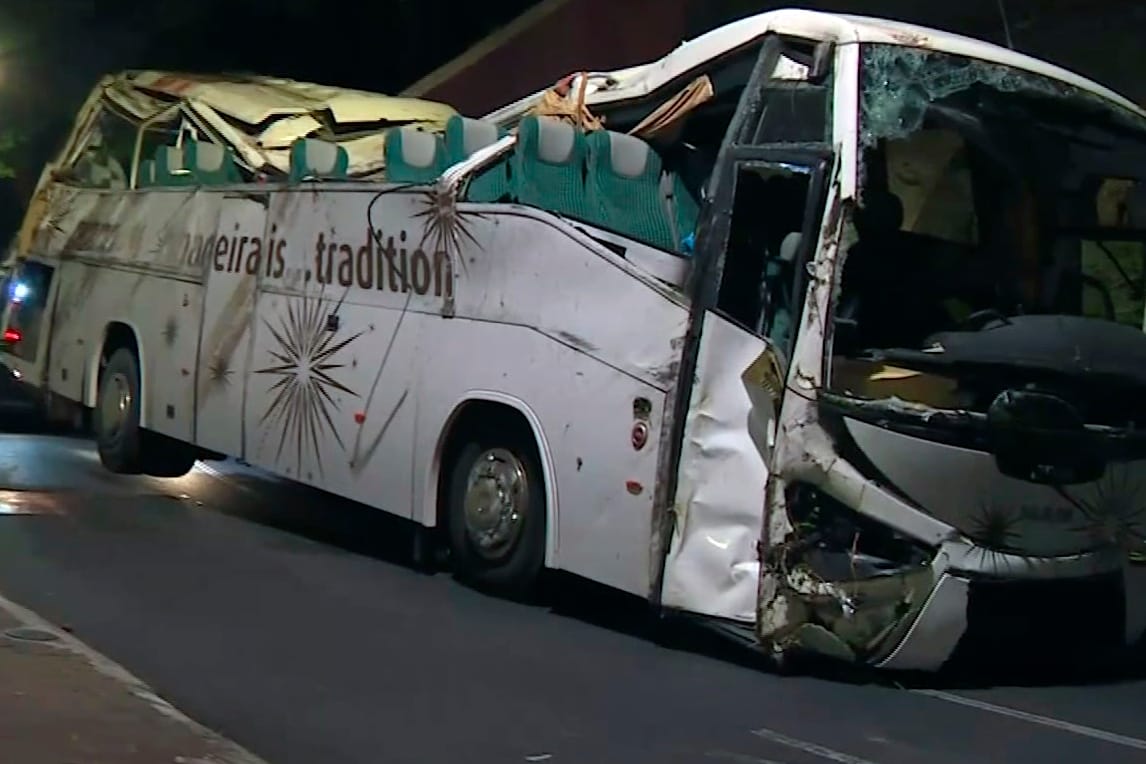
[118, 334]
[483, 405]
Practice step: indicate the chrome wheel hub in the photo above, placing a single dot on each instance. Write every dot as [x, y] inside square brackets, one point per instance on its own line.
[497, 498]
[115, 403]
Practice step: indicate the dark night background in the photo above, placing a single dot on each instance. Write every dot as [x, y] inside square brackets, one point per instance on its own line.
[53, 51]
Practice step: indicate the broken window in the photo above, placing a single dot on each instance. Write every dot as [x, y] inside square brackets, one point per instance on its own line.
[162, 132]
[109, 147]
[990, 198]
[759, 286]
[794, 110]
[899, 85]
[985, 196]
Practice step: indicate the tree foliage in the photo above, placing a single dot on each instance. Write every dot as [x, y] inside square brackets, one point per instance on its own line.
[10, 142]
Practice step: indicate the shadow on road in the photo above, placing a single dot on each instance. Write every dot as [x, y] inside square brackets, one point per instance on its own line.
[330, 520]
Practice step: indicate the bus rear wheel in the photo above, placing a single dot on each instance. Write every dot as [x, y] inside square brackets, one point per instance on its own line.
[497, 511]
[123, 446]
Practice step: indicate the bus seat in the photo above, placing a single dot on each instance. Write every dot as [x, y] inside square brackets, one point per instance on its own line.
[464, 136]
[779, 275]
[550, 167]
[171, 166]
[414, 156]
[214, 165]
[625, 186]
[146, 175]
[312, 159]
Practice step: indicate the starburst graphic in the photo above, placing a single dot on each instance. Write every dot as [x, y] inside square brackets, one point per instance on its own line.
[302, 401]
[219, 371]
[995, 527]
[1115, 513]
[445, 227]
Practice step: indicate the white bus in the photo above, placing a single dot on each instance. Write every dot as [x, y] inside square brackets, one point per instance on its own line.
[823, 330]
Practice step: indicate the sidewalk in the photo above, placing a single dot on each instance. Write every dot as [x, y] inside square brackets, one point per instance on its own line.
[61, 703]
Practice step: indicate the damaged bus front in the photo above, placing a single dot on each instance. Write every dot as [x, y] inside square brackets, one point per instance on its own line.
[940, 359]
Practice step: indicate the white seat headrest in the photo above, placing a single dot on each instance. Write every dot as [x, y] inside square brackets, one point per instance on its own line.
[790, 247]
[628, 155]
[555, 140]
[320, 156]
[175, 160]
[419, 148]
[209, 157]
[477, 134]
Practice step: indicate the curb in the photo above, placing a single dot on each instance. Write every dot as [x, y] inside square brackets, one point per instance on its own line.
[229, 752]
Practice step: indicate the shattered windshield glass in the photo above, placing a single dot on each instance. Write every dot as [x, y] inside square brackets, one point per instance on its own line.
[900, 84]
[988, 192]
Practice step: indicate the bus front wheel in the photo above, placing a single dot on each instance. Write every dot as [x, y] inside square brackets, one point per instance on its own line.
[497, 510]
[118, 434]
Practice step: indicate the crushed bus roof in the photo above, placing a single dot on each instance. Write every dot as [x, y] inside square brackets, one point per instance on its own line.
[639, 81]
[261, 116]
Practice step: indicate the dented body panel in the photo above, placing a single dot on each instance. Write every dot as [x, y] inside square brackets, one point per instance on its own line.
[713, 564]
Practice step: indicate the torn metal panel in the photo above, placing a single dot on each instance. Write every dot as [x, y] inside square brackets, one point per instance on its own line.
[256, 99]
[712, 565]
[806, 599]
[935, 633]
[281, 133]
[260, 117]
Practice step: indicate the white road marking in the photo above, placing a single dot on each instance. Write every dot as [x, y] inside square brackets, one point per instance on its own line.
[1045, 721]
[813, 748]
[741, 758]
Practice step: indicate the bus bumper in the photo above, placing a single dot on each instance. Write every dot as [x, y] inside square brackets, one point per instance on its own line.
[971, 607]
[1065, 610]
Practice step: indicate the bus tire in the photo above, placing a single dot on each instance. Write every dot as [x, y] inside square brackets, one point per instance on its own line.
[496, 510]
[124, 447]
[116, 415]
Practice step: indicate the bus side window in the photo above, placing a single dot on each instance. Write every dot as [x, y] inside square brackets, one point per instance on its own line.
[107, 155]
[152, 138]
[757, 287]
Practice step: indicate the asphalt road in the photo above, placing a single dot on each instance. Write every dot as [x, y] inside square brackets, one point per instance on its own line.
[293, 624]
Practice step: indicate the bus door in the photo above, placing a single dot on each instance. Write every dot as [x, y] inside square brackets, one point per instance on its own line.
[758, 232]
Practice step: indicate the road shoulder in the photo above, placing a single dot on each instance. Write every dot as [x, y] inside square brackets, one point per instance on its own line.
[63, 702]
